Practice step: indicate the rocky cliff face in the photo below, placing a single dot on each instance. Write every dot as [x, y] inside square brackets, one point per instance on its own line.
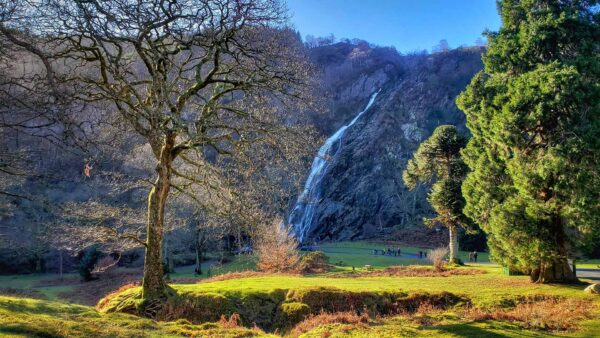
[362, 194]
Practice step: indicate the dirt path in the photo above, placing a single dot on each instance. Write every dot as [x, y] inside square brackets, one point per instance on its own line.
[593, 274]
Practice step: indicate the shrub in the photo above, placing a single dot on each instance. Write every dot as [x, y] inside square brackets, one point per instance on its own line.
[233, 322]
[323, 318]
[422, 300]
[337, 300]
[88, 261]
[276, 249]
[437, 258]
[290, 314]
[314, 262]
[260, 308]
[198, 308]
[548, 314]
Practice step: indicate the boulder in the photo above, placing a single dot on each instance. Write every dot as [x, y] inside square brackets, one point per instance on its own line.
[593, 289]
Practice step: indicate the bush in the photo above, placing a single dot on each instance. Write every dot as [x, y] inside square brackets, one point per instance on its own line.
[314, 262]
[290, 314]
[312, 322]
[545, 314]
[88, 261]
[276, 249]
[260, 307]
[337, 300]
[437, 258]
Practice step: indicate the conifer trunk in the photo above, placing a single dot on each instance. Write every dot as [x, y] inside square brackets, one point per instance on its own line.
[153, 284]
[558, 270]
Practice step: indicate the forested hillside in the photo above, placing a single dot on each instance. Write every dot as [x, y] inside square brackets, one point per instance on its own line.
[417, 92]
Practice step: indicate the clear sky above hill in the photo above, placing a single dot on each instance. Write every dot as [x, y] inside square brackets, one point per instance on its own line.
[408, 25]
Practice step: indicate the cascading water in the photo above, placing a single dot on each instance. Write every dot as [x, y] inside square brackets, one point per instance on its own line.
[301, 217]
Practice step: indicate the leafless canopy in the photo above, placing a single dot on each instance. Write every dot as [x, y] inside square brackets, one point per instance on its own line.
[169, 67]
[188, 76]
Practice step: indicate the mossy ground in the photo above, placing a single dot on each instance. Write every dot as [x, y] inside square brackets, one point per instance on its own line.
[21, 317]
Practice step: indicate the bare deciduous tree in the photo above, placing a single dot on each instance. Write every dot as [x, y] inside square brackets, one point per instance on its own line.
[190, 77]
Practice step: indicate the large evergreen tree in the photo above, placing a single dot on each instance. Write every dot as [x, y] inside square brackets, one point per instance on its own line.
[534, 113]
[438, 161]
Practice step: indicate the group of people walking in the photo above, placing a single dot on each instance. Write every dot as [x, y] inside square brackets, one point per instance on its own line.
[420, 254]
[388, 252]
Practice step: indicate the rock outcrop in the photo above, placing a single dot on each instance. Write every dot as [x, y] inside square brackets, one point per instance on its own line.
[362, 194]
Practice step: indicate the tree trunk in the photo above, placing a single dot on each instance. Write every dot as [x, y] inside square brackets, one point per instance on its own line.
[453, 245]
[168, 260]
[558, 270]
[60, 266]
[198, 259]
[153, 284]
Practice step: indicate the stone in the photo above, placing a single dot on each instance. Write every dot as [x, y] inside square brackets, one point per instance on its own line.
[593, 289]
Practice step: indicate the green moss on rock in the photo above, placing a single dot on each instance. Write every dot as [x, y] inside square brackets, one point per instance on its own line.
[290, 314]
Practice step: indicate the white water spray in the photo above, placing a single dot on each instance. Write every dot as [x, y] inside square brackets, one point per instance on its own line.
[301, 217]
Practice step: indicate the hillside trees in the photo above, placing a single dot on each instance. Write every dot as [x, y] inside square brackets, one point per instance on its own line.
[192, 78]
[534, 113]
[438, 161]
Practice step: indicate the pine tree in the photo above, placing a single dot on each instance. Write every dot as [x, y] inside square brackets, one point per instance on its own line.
[534, 114]
[438, 161]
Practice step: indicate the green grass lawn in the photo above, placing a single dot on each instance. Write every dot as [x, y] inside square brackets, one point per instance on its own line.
[482, 289]
[210, 268]
[485, 291]
[361, 253]
[26, 317]
[23, 317]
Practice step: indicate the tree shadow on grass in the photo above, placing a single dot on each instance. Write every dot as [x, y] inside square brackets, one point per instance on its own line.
[26, 330]
[29, 306]
[489, 329]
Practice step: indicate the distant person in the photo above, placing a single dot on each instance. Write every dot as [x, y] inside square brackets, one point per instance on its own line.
[420, 254]
[87, 170]
[399, 251]
[471, 257]
[475, 256]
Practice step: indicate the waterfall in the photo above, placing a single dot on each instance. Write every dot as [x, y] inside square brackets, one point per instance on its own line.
[301, 217]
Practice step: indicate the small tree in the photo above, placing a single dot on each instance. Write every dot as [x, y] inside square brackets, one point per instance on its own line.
[277, 249]
[87, 263]
[437, 258]
[438, 160]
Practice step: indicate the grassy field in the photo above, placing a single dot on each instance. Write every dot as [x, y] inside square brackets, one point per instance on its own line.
[483, 289]
[359, 254]
[489, 304]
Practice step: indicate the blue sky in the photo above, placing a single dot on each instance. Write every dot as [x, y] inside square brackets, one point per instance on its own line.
[408, 25]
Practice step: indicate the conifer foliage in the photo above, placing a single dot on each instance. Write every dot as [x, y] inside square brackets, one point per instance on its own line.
[534, 114]
[438, 160]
